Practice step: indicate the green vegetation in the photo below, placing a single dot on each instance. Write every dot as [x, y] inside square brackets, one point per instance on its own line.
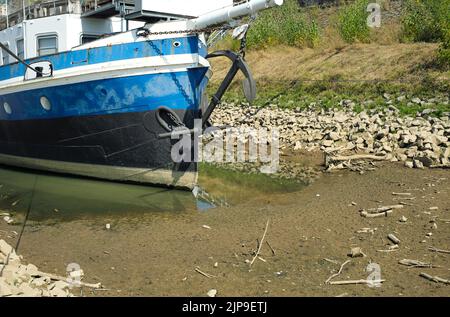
[426, 20]
[352, 22]
[286, 25]
[328, 94]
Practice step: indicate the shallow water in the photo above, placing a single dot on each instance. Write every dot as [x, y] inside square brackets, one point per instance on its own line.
[63, 198]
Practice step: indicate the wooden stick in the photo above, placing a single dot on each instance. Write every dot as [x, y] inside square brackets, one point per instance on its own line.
[260, 245]
[377, 215]
[203, 273]
[401, 194]
[416, 263]
[336, 274]
[440, 166]
[433, 249]
[383, 209]
[64, 279]
[393, 238]
[435, 279]
[357, 157]
[271, 249]
[353, 282]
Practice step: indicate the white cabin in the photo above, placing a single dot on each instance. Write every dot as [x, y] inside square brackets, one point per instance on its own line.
[54, 26]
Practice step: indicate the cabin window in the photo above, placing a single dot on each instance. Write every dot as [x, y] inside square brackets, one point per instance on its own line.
[86, 38]
[5, 55]
[20, 49]
[47, 45]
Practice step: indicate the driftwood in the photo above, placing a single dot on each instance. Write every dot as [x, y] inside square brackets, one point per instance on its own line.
[376, 215]
[433, 249]
[336, 274]
[416, 263]
[271, 249]
[260, 245]
[440, 166]
[203, 273]
[354, 282]
[383, 209]
[64, 279]
[435, 279]
[341, 158]
[392, 248]
[393, 238]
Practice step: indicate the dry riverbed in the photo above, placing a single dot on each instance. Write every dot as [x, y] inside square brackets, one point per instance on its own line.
[310, 233]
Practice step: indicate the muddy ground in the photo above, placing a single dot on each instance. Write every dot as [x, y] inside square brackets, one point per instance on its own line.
[155, 254]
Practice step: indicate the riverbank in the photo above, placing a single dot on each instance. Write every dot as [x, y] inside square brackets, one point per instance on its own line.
[311, 231]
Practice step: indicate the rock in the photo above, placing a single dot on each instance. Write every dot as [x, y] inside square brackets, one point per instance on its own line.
[334, 136]
[402, 157]
[327, 143]
[356, 252]
[416, 100]
[27, 291]
[5, 248]
[403, 219]
[212, 293]
[409, 164]
[108, 226]
[5, 288]
[418, 164]
[425, 161]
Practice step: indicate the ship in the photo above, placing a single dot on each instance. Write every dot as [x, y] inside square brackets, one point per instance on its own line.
[97, 88]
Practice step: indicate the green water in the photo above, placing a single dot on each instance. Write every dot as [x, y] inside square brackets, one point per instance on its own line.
[52, 196]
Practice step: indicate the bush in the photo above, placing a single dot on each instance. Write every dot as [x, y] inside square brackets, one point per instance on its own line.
[284, 25]
[444, 50]
[426, 20]
[352, 22]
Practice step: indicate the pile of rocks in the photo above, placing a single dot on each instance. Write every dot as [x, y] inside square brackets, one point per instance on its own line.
[419, 141]
[17, 279]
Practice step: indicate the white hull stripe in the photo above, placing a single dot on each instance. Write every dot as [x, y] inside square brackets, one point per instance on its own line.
[116, 173]
[115, 69]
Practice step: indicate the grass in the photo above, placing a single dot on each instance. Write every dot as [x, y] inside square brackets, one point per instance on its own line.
[286, 25]
[323, 56]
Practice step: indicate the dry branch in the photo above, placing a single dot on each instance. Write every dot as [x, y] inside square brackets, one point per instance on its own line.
[336, 274]
[64, 279]
[203, 273]
[354, 282]
[435, 279]
[415, 263]
[433, 249]
[377, 215]
[260, 245]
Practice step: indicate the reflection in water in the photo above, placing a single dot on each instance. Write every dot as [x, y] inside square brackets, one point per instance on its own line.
[59, 197]
[73, 197]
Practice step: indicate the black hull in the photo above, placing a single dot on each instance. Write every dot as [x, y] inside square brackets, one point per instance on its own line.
[121, 147]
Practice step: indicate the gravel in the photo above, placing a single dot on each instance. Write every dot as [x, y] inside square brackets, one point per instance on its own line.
[419, 141]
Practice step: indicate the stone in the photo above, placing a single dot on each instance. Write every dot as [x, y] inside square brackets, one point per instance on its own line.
[356, 252]
[212, 293]
[403, 219]
[418, 164]
[5, 288]
[327, 143]
[334, 136]
[425, 161]
[5, 248]
[409, 164]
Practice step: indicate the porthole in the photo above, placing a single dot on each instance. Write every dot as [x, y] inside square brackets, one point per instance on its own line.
[176, 44]
[7, 108]
[45, 103]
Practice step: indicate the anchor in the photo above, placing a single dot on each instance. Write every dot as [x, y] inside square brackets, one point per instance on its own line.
[173, 124]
